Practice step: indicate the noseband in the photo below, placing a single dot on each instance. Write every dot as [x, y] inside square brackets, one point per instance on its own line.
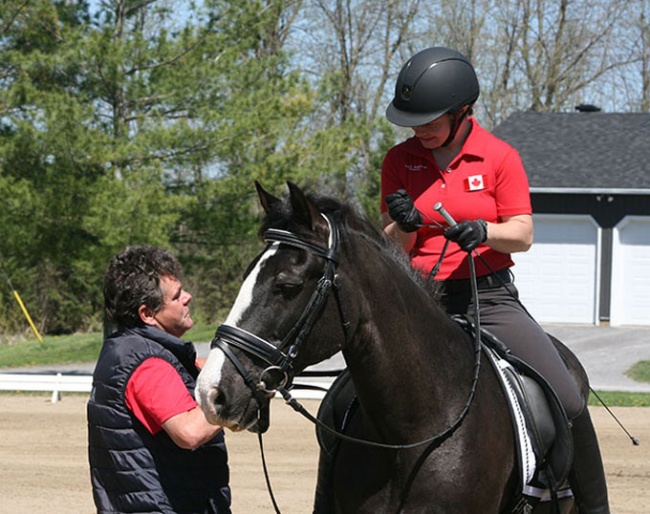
[280, 358]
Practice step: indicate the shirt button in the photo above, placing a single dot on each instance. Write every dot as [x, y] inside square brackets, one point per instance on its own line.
[443, 186]
[448, 170]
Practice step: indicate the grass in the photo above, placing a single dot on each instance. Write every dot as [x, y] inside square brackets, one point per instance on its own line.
[640, 371]
[620, 399]
[71, 349]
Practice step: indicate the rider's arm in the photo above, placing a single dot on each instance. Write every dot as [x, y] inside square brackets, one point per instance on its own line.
[406, 239]
[511, 234]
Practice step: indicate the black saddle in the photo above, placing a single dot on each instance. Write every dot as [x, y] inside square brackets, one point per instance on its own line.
[547, 424]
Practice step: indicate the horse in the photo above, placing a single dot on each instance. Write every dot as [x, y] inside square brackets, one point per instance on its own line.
[329, 281]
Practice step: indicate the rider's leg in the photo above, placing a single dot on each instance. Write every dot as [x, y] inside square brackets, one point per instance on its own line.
[506, 319]
[587, 476]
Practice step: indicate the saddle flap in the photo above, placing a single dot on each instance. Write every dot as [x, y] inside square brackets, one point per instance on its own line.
[539, 418]
[542, 408]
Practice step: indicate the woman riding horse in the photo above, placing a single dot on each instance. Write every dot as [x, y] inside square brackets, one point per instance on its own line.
[481, 181]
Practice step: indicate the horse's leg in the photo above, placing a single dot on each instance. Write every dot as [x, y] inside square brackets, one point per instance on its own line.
[323, 497]
[334, 409]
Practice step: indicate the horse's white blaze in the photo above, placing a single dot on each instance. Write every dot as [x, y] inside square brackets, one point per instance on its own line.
[245, 295]
[210, 376]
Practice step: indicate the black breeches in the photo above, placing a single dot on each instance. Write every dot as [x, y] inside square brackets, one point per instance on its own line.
[501, 314]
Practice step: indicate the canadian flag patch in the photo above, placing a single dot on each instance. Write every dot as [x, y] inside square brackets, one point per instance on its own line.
[476, 183]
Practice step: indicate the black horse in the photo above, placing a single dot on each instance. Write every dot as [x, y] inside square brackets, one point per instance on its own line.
[330, 281]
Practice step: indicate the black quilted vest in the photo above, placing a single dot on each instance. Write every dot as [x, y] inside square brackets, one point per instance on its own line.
[132, 470]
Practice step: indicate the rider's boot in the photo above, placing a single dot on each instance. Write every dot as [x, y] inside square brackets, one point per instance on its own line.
[587, 475]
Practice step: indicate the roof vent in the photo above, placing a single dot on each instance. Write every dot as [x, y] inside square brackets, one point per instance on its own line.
[587, 108]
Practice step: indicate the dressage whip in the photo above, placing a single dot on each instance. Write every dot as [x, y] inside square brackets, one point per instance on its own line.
[634, 440]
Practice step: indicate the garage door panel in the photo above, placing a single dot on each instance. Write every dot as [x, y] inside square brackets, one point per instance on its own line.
[631, 272]
[557, 278]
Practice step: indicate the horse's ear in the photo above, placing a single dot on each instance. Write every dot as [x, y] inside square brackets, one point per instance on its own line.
[304, 209]
[266, 199]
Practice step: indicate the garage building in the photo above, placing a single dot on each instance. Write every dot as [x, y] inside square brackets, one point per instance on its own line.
[589, 174]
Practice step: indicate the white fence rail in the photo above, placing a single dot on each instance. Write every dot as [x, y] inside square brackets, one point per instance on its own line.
[60, 383]
[57, 384]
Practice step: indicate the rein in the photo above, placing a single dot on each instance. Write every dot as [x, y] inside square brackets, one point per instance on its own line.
[280, 358]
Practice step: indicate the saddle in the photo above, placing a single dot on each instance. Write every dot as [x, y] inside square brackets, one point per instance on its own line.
[539, 420]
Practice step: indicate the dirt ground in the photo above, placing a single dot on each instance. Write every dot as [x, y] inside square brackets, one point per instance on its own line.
[43, 463]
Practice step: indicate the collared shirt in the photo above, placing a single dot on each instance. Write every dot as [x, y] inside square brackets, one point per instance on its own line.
[155, 392]
[485, 180]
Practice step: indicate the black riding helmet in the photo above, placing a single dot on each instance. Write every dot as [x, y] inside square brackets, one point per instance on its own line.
[433, 82]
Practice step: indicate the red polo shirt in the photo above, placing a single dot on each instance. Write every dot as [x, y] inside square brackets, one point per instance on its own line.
[156, 392]
[486, 180]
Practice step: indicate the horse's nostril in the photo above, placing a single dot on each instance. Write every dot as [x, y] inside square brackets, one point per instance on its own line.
[216, 398]
[219, 398]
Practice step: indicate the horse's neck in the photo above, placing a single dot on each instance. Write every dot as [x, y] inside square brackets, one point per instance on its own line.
[405, 356]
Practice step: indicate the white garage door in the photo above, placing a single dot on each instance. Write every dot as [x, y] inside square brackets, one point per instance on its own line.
[558, 277]
[631, 272]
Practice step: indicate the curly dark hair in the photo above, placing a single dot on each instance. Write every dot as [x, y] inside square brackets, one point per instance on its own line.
[133, 278]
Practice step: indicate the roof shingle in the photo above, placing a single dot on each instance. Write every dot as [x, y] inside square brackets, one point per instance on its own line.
[584, 150]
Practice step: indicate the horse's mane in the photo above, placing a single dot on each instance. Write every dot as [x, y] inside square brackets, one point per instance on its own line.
[350, 224]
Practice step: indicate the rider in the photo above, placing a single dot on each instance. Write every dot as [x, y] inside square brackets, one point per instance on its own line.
[481, 182]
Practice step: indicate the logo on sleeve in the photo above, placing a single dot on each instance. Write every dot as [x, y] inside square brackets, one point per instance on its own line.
[415, 167]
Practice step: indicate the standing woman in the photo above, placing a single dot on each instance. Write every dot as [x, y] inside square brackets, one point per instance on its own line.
[482, 183]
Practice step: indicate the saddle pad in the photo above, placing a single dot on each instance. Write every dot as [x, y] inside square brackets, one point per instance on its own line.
[527, 461]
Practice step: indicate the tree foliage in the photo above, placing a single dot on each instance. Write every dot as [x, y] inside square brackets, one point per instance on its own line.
[130, 121]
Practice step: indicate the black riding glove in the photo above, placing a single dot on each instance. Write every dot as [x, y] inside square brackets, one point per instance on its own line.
[468, 234]
[402, 211]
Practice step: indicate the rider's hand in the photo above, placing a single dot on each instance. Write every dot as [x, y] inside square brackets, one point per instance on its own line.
[402, 211]
[468, 234]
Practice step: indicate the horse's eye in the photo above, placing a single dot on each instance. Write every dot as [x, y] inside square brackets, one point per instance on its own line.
[287, 285]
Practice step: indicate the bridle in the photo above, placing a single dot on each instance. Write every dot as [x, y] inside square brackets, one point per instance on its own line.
[280, 358]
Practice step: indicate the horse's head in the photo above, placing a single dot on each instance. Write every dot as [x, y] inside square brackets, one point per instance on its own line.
[268, 337]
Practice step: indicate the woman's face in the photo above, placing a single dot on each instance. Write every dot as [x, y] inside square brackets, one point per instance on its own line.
[434, 133]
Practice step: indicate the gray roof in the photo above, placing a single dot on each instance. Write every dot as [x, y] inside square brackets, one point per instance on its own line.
[582, 150]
